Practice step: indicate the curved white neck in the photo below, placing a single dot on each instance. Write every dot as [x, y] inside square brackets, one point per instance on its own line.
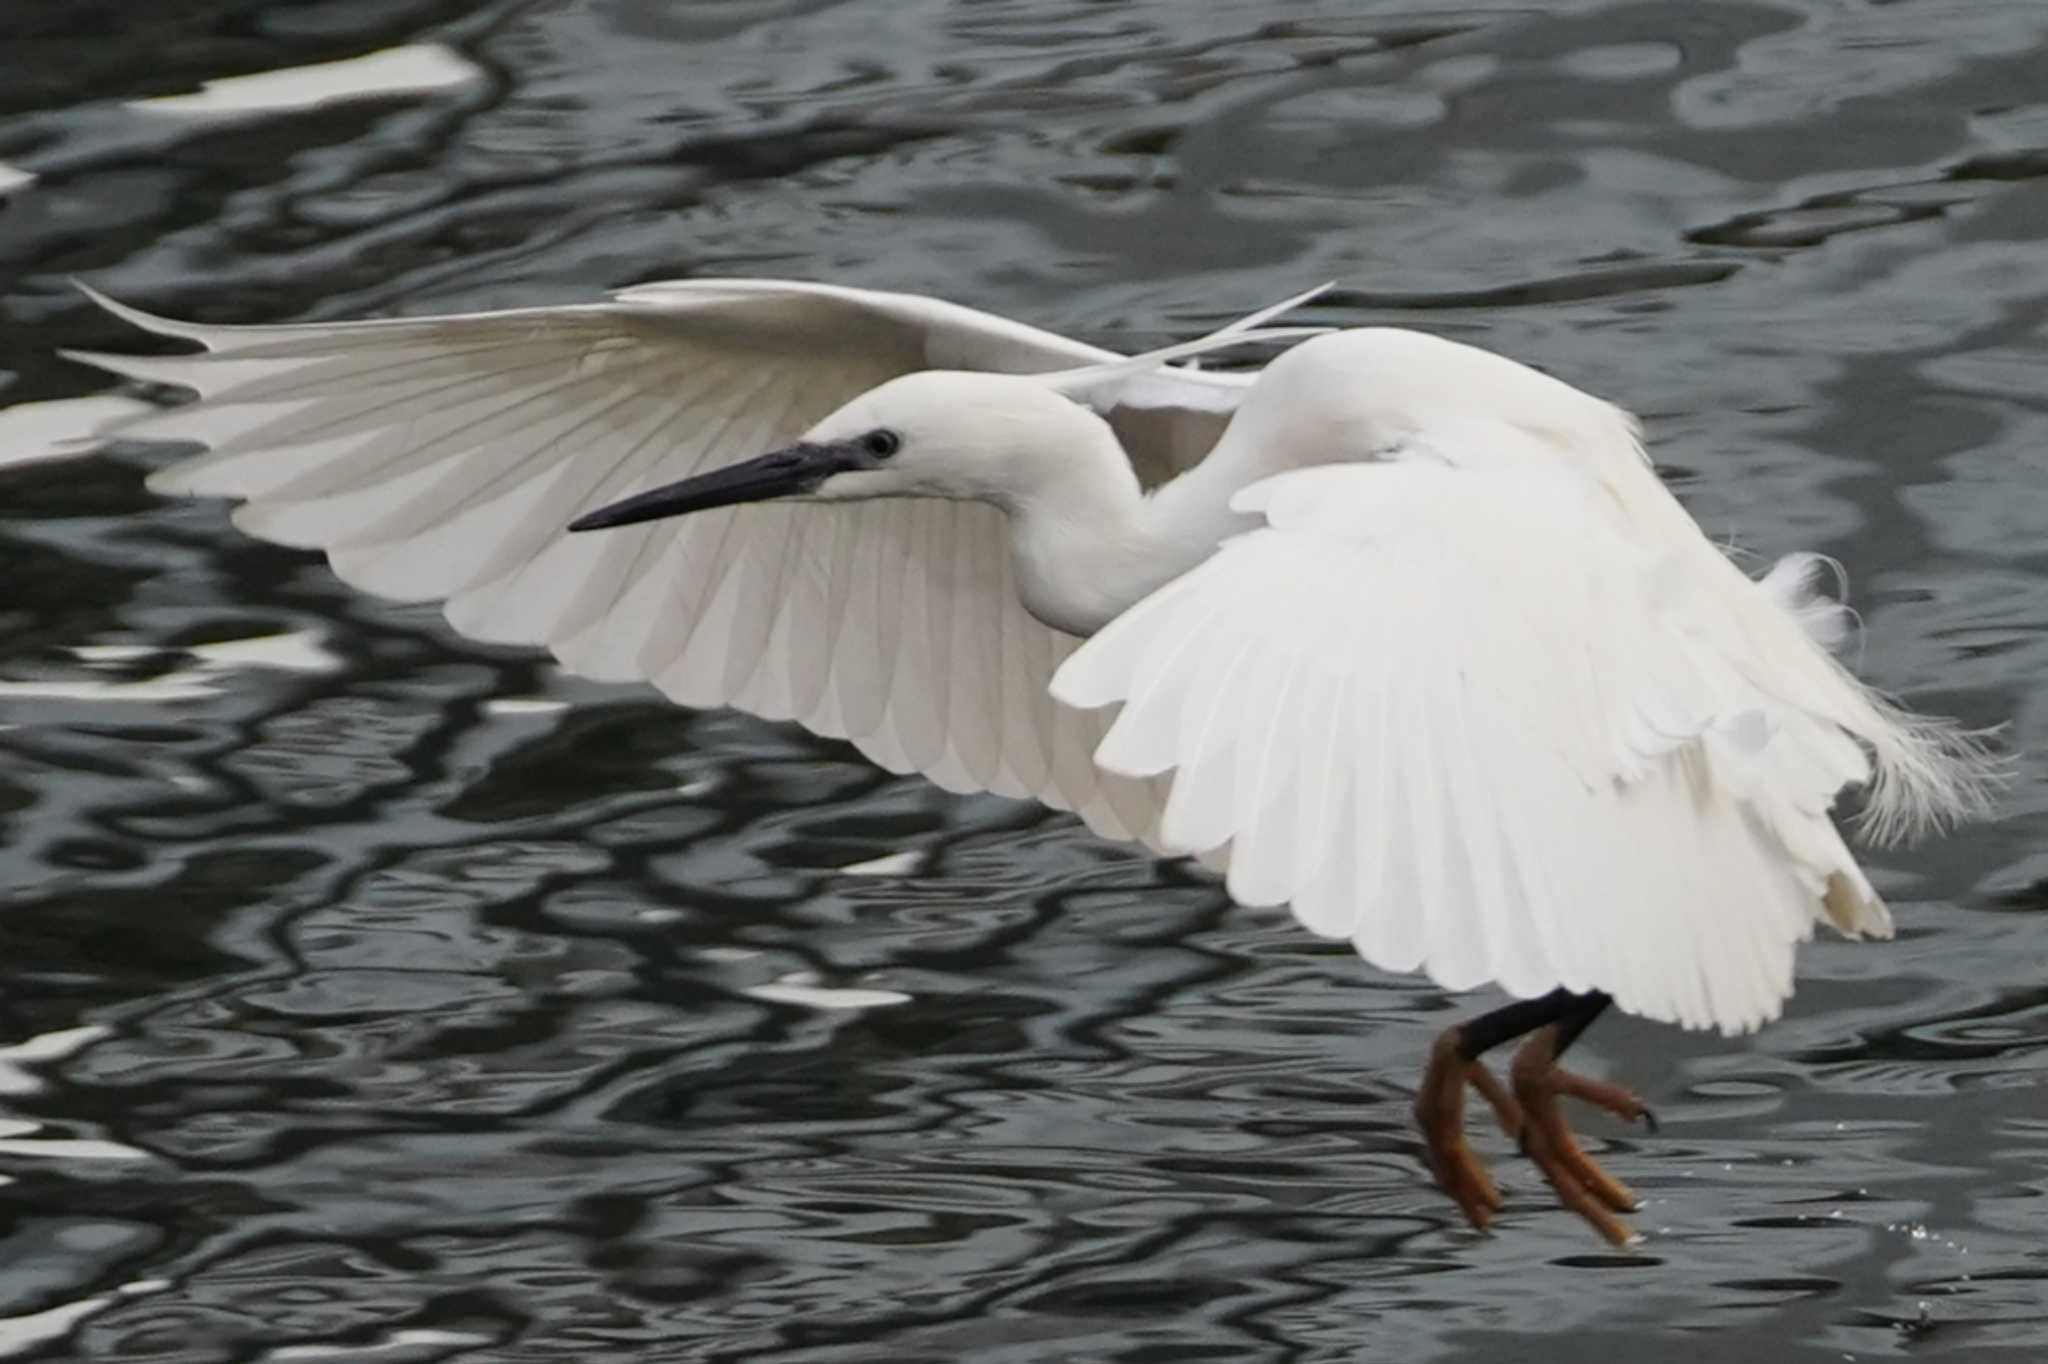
[1091, 545]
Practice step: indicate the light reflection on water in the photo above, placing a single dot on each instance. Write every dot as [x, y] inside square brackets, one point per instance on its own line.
[441, 1006]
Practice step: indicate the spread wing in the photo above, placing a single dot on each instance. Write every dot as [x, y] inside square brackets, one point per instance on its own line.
[1465, 719]
[439, 458]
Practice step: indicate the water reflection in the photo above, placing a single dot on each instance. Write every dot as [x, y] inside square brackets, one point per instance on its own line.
[412, 70]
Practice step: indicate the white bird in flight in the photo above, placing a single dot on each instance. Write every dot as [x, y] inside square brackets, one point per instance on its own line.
[1396, 631]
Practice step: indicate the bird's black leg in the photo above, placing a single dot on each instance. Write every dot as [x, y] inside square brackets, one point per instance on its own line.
[1585, 1008]
[1528, 1110]
[1524, 1016]
[1565, 1031]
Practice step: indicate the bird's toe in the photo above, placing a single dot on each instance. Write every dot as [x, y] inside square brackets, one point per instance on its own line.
[1547, 1138]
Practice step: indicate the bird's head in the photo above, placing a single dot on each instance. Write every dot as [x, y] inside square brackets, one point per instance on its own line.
[935, 433]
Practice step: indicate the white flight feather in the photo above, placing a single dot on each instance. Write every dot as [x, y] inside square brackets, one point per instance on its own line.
[1563, 755]
[438, 458]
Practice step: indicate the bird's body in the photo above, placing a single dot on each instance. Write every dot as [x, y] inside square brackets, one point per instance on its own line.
[1400, 632]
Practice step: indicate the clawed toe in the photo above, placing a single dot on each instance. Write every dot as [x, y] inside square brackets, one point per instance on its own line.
[1440, 1114]
[1529, 1112]
[1580, 1183]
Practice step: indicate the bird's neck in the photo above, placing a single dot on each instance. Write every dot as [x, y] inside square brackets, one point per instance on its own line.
[1090, 547]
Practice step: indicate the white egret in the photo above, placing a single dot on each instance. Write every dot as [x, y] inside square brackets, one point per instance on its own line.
[1397, 632]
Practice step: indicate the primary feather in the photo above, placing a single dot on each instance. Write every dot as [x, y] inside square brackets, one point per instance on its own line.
[1487, 703]
[1422, 396]
[438, 458]
[1479, 744]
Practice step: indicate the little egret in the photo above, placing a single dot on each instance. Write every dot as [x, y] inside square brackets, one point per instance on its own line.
[1396, 631]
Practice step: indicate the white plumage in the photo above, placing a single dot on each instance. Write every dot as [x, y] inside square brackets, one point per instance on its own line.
[1632, 816]
[438, 459]
[1464, 684]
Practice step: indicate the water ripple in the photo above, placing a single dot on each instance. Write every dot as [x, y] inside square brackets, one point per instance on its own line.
[375, 995]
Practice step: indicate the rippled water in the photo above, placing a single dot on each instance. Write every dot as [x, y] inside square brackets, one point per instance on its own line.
[372, 995]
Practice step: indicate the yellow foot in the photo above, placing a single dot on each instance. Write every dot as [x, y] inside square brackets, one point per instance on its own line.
[1581, 1185]
[1440, 1113]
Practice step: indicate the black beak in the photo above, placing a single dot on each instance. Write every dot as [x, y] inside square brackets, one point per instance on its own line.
[795, 469]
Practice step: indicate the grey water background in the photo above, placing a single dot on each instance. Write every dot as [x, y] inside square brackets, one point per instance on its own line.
[426, 1026]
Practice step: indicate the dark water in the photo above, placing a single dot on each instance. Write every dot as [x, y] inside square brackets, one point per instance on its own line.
[423, 1026]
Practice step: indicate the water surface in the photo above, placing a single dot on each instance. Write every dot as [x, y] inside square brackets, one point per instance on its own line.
[372, 995]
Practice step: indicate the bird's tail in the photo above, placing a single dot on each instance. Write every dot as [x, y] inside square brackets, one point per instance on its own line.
[1931, 773]
[1928, 773]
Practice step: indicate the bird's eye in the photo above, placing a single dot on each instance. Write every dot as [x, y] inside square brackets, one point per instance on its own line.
[881, 444]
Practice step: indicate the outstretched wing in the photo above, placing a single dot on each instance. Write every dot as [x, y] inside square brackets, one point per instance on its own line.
[1467, 721]
[439, 458]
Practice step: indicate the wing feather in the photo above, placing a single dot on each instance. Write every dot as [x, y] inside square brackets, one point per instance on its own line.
[439, 458]
[1459, 717]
